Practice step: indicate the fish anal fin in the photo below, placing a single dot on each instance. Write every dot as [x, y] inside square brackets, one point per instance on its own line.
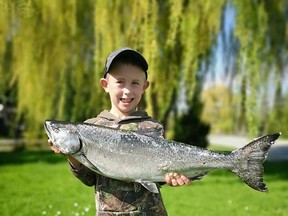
[151, 186]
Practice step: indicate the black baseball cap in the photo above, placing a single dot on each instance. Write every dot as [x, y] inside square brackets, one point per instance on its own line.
[125, 55]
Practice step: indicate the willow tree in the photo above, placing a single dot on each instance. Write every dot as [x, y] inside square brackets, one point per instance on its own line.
[260, 29]
[56, 52]
[172, 35]
[254, 49]
[52, 58]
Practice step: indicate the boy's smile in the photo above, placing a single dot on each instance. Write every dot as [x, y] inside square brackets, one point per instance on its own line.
[125, 85]
[127, 100]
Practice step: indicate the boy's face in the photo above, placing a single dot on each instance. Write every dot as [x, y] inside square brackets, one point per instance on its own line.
[125, 85]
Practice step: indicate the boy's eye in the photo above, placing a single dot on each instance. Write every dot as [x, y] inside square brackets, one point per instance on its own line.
[120, 82]
[135, 83]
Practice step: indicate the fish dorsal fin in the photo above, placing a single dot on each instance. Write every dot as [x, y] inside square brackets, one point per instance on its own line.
[151, 186]
[150, 133]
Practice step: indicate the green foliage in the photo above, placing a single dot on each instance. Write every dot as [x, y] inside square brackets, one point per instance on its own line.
[59, 50]
[52, 54]
[251, 33]
[278, 118]
[51, 61]
[258, 57]
[40, 183]
[219, 105]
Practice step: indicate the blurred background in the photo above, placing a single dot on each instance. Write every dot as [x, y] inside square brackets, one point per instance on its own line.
[218, 72]
[215, 67]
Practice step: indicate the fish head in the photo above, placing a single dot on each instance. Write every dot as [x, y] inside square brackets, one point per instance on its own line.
[64, 136]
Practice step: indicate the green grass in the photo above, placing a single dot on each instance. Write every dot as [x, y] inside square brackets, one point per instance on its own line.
[40, 183]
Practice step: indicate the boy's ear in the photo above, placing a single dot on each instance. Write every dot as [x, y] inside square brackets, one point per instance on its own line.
[104, 84]
[146, 85]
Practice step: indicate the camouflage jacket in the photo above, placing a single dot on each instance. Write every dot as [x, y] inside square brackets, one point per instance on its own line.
[114, 197]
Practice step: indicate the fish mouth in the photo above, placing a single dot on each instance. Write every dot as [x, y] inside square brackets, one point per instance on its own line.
[47, 129]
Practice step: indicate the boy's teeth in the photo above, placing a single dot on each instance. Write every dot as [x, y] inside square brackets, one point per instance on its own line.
[126, 100]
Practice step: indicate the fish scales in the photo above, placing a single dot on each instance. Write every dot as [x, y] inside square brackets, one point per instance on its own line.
[131, 156]
[144, 149]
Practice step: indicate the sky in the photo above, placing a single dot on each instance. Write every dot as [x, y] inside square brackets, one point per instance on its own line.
[216, 72]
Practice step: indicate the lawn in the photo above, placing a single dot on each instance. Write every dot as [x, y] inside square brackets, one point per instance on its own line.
[40, 183]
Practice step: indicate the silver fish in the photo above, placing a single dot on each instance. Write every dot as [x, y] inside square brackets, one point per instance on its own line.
[136, 157]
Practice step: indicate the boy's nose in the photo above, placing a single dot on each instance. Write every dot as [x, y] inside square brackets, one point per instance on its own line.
[126, 90]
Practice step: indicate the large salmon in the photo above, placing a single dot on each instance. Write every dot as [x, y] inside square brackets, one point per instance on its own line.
[132, 156]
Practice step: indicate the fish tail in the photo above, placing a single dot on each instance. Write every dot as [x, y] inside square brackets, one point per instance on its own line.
[249, 161]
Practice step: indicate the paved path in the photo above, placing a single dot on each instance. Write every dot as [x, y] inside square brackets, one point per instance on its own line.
[278, 151]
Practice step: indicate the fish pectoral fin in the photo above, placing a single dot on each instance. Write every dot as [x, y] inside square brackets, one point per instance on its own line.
[151, 186]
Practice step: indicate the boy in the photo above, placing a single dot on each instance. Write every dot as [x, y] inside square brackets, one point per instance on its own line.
[125, 80]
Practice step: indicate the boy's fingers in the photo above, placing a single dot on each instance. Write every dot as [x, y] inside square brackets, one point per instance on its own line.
[168, 179]
[174, 179]
[179, 180]
[53, 148]
[174, 182]
[185, 180]
[50, 142]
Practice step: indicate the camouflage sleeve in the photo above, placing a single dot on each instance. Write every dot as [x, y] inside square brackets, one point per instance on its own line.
[149, 127]
[85, 175]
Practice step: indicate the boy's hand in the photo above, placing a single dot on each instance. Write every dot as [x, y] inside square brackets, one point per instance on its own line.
[174, 179]
[75, 164]
[53, 148]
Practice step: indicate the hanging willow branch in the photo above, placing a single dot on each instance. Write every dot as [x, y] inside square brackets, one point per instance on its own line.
[57, 50]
